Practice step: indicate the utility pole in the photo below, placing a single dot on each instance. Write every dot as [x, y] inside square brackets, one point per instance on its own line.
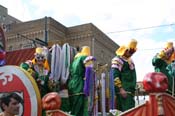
[93, 45]
[45, 25]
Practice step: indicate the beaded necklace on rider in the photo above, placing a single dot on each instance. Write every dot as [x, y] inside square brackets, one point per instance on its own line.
[65, 57]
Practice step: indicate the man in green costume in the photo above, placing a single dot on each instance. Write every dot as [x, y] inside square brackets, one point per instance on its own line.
[78, 100]
[162, 61]
[124, 73]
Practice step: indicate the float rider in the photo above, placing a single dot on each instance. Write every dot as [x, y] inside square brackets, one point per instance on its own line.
[78, 100]
[161, 61]
[124, 73]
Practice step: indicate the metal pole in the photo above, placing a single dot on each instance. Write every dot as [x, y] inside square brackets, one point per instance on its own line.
[45, 29]
[93, 45]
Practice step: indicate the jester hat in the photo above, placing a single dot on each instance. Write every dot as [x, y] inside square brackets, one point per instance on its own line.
[132, 45]
[41, 54]
[168, 51]
[85, 51]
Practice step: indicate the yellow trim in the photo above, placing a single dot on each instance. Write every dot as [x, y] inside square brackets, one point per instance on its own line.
[88, 63]
[77, 94]
[30, 71]
[36, 90]
[117, 82]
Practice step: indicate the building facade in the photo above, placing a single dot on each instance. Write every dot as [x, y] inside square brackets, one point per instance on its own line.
[23, 35]
[5, 19]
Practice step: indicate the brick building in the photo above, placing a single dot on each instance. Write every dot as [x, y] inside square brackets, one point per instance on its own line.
[47, 29]
[5, 19]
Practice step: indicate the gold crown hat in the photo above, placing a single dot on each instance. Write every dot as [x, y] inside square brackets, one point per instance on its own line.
[38, 50]
[41, 51]
[131, 45]
[169, 45]
[121, 50]
[85, 51]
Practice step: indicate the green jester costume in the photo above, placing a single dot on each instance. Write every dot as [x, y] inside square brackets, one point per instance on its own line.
[124, 74]
[40, 70]
[78, 100]
[162, 63]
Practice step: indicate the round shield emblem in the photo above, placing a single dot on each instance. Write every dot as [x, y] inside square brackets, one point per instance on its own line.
[15, 79]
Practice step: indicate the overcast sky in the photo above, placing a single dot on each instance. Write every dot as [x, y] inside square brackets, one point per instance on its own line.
[113, 17]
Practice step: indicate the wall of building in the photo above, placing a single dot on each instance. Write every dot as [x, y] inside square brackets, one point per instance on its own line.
[6, 20]
[56, 31]
[3, 13]
[102, 47]
[21, 34]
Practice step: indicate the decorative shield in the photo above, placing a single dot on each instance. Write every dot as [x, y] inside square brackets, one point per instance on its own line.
[15, 79]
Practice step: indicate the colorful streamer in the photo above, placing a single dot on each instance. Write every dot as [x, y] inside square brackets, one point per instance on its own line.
[112, 91]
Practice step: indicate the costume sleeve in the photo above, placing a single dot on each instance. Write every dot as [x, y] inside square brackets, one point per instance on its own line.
[89, 61]
[171, 68]
[26, 67]
[117, 65]
[117, 80]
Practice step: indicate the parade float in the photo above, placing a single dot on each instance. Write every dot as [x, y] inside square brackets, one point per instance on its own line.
[100, 92]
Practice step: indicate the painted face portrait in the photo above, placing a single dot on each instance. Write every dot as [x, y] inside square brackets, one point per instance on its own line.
[12, 107]
[11, 103]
